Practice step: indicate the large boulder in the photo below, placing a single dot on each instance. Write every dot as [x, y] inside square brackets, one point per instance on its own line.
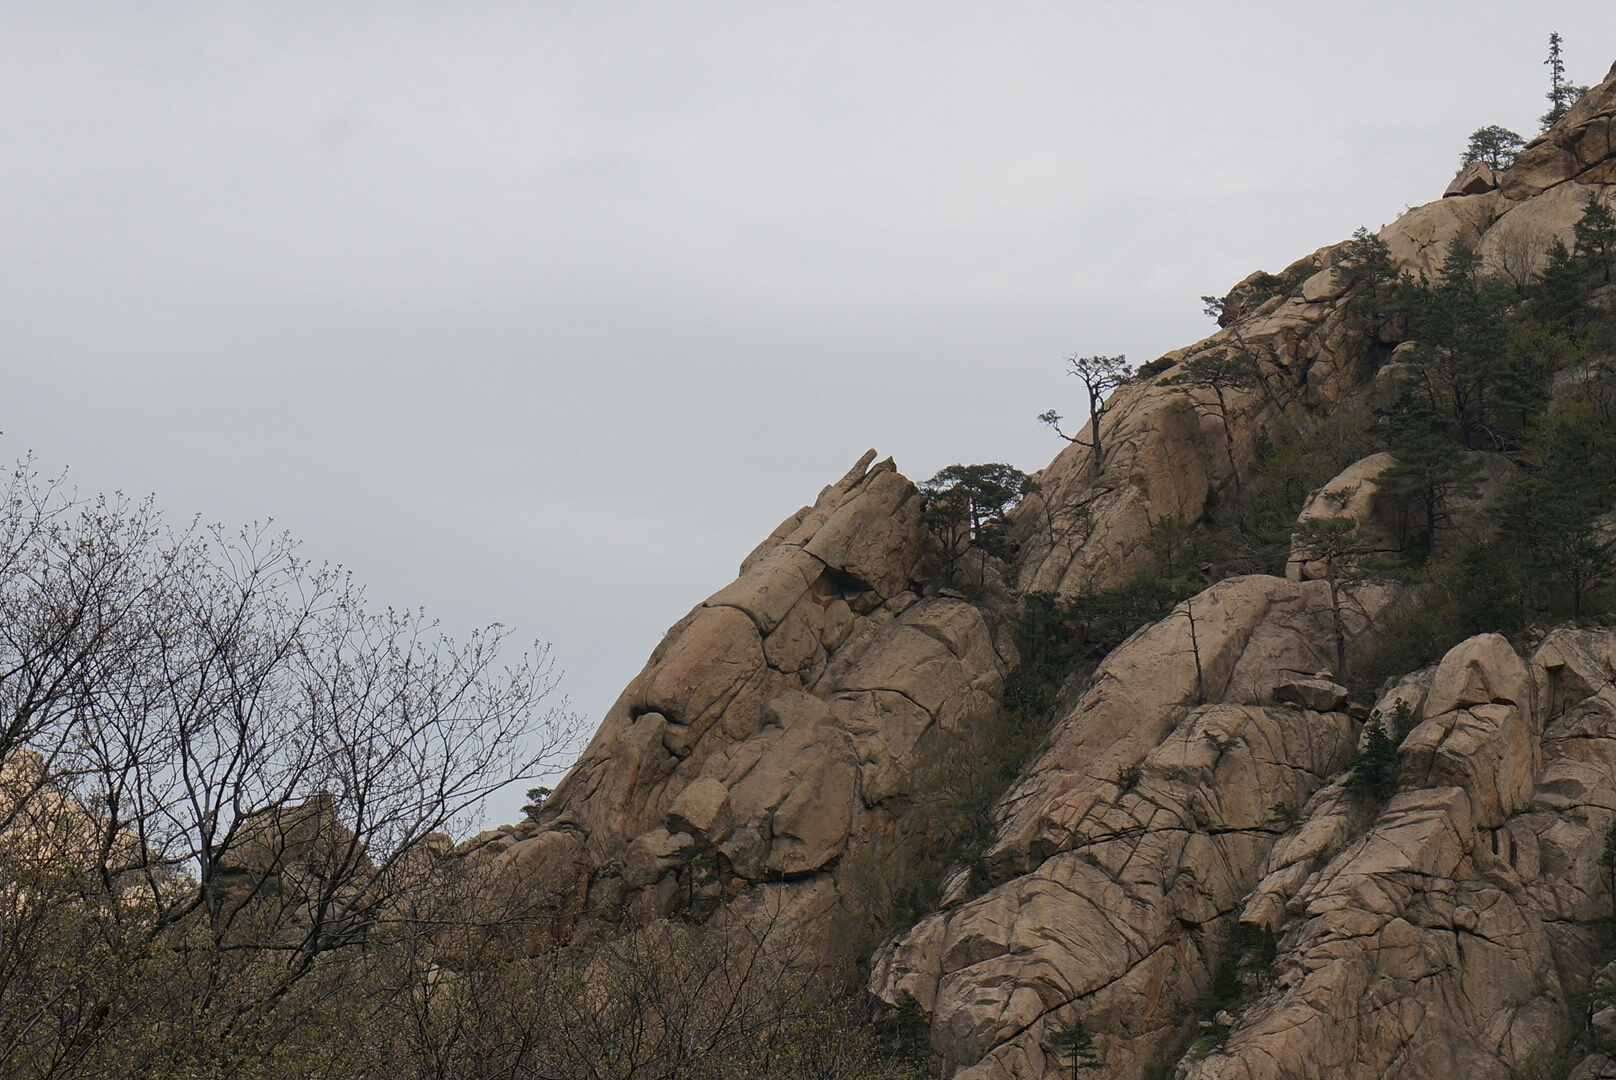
[1104, 931]
[1354, 496]
[1149, 818]
[774, 729]
[1581, 147]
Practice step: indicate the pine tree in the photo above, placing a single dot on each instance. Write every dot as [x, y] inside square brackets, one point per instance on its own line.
[1462, 333]
[1100, 375]
[1375, 770]
[1551, 515]
[1559, 292]
[1336, 544]
[1222, 371]
[1493, 146]
[1375, 287]
[1077, 1045]
[1608, 860]
[965, 508]
[1595, 234]
[1429, 471]
[1562, 94]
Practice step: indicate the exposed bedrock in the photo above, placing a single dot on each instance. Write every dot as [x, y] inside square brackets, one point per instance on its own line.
[1450, 937]
[773, 729]
[1150, 817]
[1165, 446]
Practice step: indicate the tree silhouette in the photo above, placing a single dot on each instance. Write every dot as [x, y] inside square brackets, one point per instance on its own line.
[1100, 375]
[1493, 146]
[1076, 1044]
[1222, 371]
[1561, 94]
[1595, 237]
[965, 507]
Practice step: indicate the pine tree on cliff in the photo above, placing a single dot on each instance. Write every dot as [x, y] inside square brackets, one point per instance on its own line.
[1335, 543]
[1562, 94]
[1493, 146]
[1595, 234]
[1463, 336]
[1100, 375]
[1376, 289]
[1077, 1045]
[1559, 292]
[1429, 472]
[965, 506]
[1222, 371]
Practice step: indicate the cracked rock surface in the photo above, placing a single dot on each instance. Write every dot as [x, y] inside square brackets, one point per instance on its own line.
[1150, 817]
[1448, 939]
[774, 727]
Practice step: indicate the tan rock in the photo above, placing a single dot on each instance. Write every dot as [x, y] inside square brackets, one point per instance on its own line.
[715, 667]
[1104, 923]
[1320, 695]
[1234, 642]
[1353, 495]
[1579, 147]
[875, 537]
[1323, 286]
[772, 586]
[1418, 241]
[1479, 671]
[1488, 750]
[1517, 246]
[1473, 179]
[1571, 665]
[702, 808]
[651, 855]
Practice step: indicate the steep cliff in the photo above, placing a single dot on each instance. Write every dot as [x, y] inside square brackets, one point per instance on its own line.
[1194, 785]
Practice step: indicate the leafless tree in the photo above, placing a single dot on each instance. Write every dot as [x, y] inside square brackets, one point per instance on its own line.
[220, 766]
[1520, 253]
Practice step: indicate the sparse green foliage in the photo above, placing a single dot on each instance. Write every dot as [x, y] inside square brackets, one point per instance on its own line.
[535, 802]
[1076, 1045]
[1595, 236]
[965, 508]
[905, 1030]
[1375, 771]
[1493, 146]
[1430, 472]
[1100, 376]
[1561, 94]
[1607, 859]
[1284, 815]
[1335, 543]
[1376, 289]
[1222, 372]
[1129, 778]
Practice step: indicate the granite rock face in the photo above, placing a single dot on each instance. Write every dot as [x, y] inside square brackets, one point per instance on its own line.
[1201, 779]
[1150, 818]
[1166, 446]
[773, 729]
[1450, 937]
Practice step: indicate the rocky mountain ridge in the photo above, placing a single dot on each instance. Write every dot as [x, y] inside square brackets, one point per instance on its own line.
[774, 735]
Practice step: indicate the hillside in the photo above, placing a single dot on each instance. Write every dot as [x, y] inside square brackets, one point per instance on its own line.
[1184, 870]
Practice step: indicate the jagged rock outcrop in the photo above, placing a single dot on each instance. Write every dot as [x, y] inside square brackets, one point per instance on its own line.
[1197, 783]
[773, 729]
[1165, 446]
[1148, 819]
[1449, 938]
[1352, 495]
[1110, 878]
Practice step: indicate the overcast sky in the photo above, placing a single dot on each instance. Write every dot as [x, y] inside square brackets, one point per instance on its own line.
[546, 313]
